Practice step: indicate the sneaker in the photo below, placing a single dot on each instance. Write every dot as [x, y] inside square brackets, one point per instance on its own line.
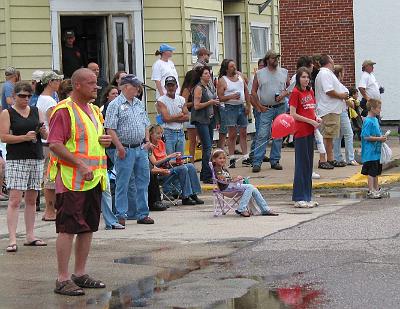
[195, 198]
[232, 163]
[353, 163]
[145, 220]
[188, 201]
[325, 165]
[301, 204]
[256, 169]
[373, 195]
[312, 204]
[315, 176]
[277, 166]
[247, 162]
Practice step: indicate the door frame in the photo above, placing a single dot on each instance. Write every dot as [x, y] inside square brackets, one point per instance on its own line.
[132, 9]
[240, 38]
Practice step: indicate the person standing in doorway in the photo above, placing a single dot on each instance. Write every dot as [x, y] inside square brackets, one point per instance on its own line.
[80, 176]
[72, 58]
[269, 92]
[163, 68]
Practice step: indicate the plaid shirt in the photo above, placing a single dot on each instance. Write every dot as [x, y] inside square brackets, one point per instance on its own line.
[129, 120]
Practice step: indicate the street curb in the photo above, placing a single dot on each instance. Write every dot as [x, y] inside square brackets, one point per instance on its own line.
[355, 181]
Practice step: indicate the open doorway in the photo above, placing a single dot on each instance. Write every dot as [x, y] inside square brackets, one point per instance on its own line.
[90, 40]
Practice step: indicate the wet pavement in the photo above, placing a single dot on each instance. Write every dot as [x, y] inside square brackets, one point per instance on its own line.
[347, 257]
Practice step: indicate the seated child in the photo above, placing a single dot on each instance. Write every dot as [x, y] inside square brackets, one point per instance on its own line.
[225, 181]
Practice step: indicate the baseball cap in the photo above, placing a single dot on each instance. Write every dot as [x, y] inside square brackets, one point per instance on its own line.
[271, 54]
[49, 76]
[130, 79]
[368, 62]
[203, 51]
[10, 71]
[37, 75]
[69, 34]
[170, 80]
[166, 47]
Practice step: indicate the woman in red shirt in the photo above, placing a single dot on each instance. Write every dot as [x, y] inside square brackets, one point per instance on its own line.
[302, 109]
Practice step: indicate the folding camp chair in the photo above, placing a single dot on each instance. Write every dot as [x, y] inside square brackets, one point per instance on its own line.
[225, 200]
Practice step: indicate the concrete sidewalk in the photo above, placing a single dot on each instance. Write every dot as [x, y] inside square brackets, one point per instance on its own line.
[339, 177]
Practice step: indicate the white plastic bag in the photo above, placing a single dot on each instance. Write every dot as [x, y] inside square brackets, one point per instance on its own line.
[386, 154]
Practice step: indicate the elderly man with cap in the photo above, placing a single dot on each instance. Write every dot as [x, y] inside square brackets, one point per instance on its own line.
[128, 124]
[368, 86]
[72, 59]
[203, 57]
[268, 94]
[7, 91]
[163, 68]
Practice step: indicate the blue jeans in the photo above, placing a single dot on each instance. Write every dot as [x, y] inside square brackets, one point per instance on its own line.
[187, 176]
[347, 132]
[252, 192]
[264, 134]
[174, 141]
[257, 126]
[106, 207]
[132, 181]
[205, 132]
[304, 155]
[235, 116]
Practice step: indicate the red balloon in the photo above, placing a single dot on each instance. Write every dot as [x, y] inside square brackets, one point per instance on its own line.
[282, 126]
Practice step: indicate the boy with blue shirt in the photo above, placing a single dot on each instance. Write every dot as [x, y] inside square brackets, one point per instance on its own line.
[371, 143]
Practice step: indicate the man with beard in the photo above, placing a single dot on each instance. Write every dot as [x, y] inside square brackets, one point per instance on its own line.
[203, 57]
[268, 92]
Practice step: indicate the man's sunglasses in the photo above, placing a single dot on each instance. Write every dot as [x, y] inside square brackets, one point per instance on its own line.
[24, 96]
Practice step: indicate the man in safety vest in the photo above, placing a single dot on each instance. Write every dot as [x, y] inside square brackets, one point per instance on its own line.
[77, 139]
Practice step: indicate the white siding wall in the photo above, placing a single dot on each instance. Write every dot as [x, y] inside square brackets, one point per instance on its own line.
[377, 38]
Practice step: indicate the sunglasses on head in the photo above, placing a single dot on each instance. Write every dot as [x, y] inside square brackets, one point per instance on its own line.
[24, 96]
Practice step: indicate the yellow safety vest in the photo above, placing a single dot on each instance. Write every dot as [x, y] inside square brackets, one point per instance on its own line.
[83, 144]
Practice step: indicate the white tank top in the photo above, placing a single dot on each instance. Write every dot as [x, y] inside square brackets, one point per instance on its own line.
[233, 87]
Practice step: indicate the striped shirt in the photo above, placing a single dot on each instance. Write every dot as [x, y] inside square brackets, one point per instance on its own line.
[129, 120]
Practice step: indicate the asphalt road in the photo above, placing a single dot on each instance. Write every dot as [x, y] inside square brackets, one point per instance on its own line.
[346, 259]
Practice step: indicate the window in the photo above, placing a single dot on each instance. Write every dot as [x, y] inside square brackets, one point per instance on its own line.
[204, 34]
[260, 41]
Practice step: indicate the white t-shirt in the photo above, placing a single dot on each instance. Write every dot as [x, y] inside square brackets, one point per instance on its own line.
[368, 81]
[160, 71]
[43, 104]
[174, 107]
[327, 81]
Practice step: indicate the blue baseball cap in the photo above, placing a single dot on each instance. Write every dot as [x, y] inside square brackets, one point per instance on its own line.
[130, 79]
[166, 47]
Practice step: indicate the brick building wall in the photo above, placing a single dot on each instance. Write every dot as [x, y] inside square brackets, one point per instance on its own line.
[318, 26]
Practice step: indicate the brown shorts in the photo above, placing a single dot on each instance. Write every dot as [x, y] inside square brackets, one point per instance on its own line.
[78, 211]
[330, 127]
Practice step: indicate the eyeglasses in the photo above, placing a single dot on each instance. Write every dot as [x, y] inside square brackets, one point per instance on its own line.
[24, 96]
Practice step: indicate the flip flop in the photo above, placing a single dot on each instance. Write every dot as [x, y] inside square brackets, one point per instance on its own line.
[35, 243]
[12, 248]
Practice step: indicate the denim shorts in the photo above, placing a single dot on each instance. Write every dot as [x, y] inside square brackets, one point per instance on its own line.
[235, 116]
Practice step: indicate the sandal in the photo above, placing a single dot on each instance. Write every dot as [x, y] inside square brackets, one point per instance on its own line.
[86, 281]
[68, 288]
[243, 213]
[35, 243]
[12, 248]
[325, 165]
[337, 163]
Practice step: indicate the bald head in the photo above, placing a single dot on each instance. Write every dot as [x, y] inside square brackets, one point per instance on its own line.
[94, 67]
[84, 84]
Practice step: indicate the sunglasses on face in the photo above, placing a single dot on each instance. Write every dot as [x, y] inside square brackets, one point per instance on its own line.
[24, 96]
